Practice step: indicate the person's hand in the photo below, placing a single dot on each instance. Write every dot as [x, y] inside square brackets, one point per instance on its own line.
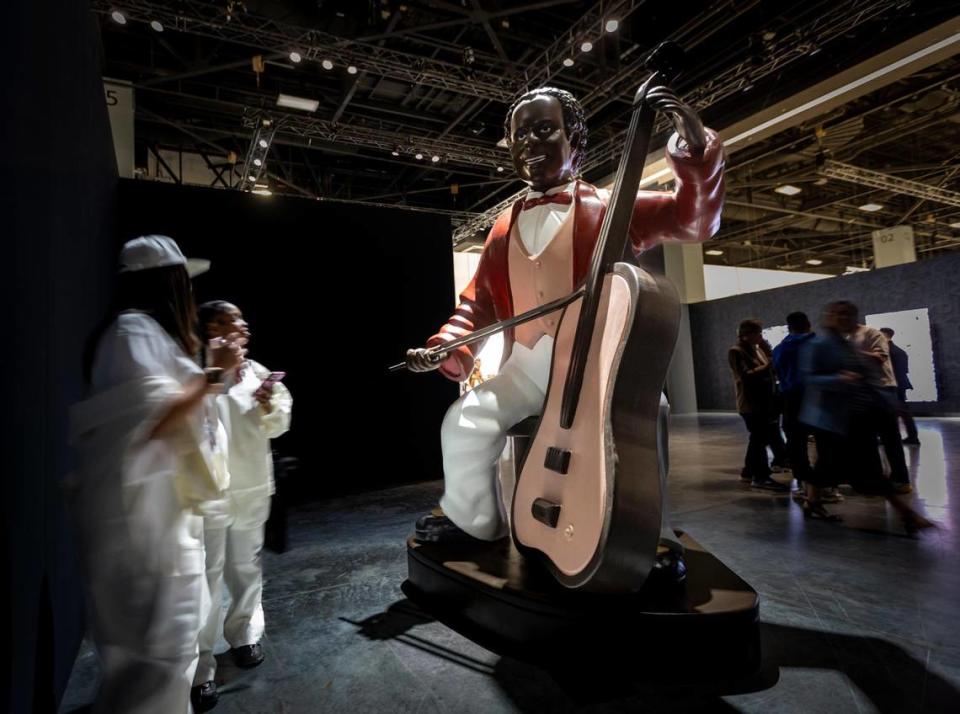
[849, 377]
[227, 353]
[421, 360]
[685, 120]
[263, 395]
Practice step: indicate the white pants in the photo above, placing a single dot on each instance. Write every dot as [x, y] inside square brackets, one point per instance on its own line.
[233, 541]
[474, 432]
[144, 623]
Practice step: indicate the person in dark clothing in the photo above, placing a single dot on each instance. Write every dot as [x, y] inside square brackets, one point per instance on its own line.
[786, 361]
[751, 362]
[901, 369]
[841, 405]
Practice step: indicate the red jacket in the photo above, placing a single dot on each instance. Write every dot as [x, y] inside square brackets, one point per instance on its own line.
[690, 214]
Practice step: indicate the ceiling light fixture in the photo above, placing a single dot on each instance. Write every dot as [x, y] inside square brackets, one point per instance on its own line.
[327, 64]
[296, 57]
[435, 159]
[612, 25]
[499, 169]
[871, 207]
[586, 46]
[156, 25]
[263, 144]
[291, 102]
[788, 190]
[714, 251]
[118, 17]
[258, 162]
[351, 70]
[418, 156]
[568, 62]
[814, 261]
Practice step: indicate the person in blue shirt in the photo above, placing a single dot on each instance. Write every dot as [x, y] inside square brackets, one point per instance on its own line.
[786, 360]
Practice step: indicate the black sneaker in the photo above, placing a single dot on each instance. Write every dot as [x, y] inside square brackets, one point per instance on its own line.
[440, 529]
[770, 485]
[247, 656]
[204, 696]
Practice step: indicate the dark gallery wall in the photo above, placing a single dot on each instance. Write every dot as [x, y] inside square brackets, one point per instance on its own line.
[334, 294]
[59, 182]
[930, 284]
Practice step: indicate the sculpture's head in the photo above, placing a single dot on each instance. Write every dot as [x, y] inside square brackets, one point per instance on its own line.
[547, 134]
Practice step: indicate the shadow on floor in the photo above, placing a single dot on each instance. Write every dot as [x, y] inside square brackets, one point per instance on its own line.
[886, 674]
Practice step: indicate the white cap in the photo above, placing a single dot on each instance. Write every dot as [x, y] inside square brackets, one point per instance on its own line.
[157, 251]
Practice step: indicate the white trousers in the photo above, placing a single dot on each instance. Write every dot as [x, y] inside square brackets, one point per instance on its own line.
[233, 543]
[144, 623]
[474, 432]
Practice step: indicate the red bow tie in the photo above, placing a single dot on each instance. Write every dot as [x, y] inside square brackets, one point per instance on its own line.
[562, 197]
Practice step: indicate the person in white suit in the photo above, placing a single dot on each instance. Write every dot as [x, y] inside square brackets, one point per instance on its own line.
[148, 453]
[254, 409]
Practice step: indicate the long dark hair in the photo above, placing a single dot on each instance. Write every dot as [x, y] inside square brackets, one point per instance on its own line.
[163, 293]
[206, 314]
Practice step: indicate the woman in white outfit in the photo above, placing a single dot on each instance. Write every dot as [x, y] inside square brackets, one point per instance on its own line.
[253, 413]
[148, 452]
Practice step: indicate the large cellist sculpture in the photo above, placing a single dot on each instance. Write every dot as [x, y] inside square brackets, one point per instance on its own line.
[589, 496]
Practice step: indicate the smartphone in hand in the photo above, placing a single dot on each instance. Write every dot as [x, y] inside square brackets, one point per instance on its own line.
[271, 379]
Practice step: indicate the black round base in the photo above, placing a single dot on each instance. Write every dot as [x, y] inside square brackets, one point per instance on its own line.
[706, 628]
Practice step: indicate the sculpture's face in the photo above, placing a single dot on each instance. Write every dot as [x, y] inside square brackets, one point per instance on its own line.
[541, 150]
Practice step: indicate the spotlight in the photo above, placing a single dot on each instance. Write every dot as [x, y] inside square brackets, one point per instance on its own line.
[118, 17]
[499, 169]
[252, 178]
[586, 46]
[713, 251]
[612, 25]
[156, 25]
[418, 156]
[351, 70]
[435, 159]
[871, 207]
[327, 64]
[814, 261]
[296, 57]
[568, 62]
[263, 144]
[258, 162]
[395, 152]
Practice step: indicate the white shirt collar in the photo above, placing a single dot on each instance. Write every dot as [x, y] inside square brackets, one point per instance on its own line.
[552, 191]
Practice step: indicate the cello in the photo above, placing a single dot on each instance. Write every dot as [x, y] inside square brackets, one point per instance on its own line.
[588, 496]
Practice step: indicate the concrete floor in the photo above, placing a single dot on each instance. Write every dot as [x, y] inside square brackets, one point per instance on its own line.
[856, 617]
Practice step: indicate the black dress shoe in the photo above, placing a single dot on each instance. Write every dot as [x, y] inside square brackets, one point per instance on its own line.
[247, 656]
[440, 529]
[204, 696]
